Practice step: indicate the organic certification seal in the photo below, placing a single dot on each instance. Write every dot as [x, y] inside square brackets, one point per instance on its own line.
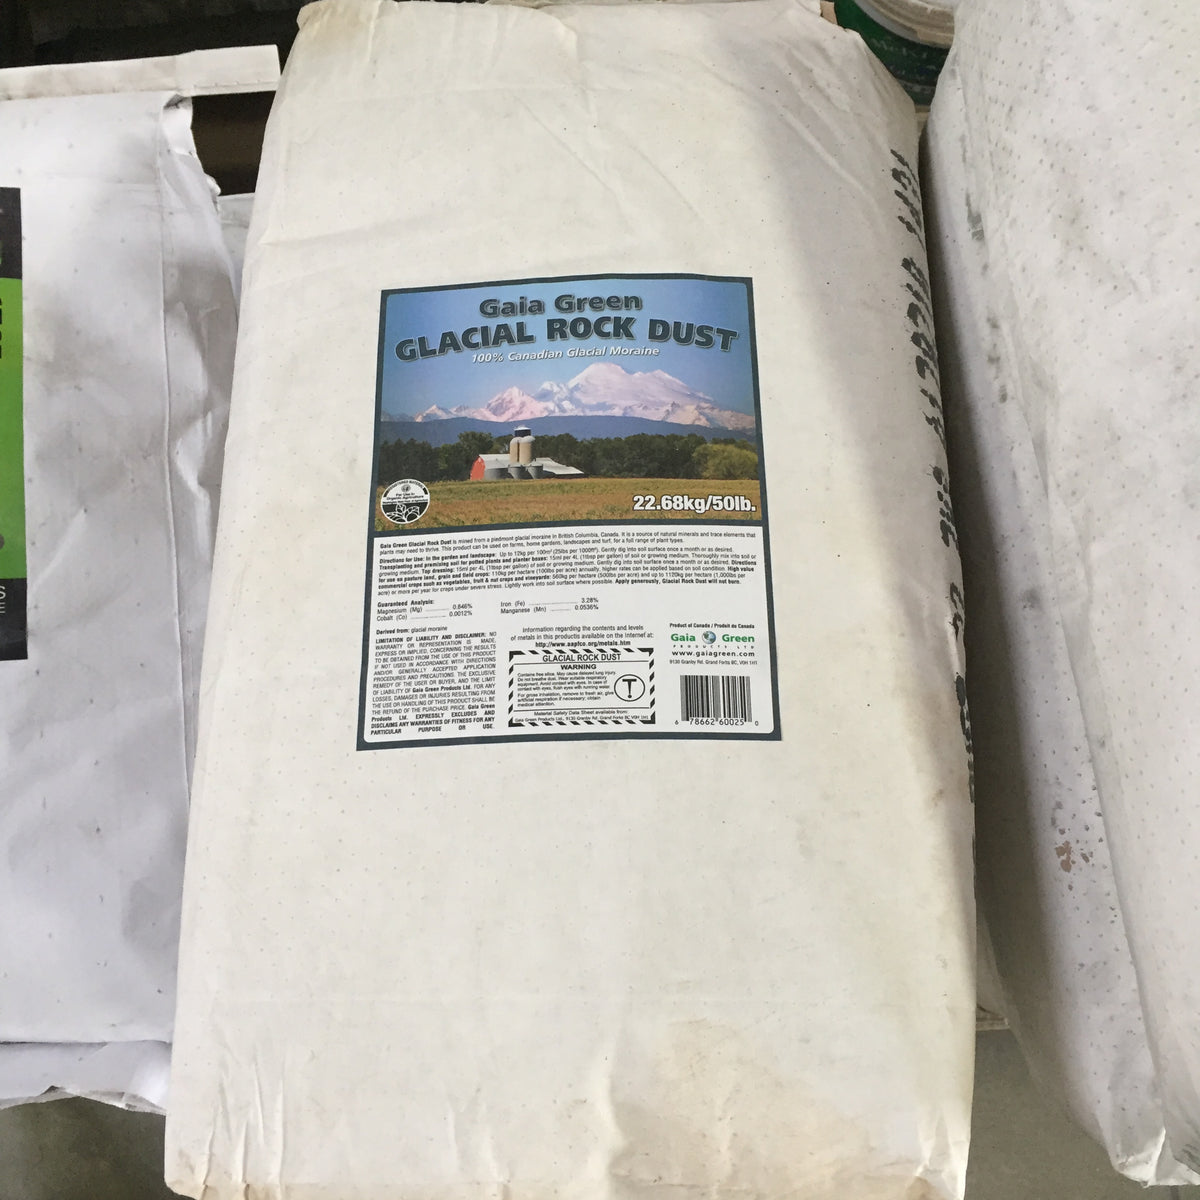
[404, 501]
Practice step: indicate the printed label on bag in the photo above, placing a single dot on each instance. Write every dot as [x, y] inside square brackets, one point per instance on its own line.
[567, 524]
[13, 630]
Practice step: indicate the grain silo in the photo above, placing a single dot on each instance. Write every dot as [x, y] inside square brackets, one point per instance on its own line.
[520, 452]
[519, 462]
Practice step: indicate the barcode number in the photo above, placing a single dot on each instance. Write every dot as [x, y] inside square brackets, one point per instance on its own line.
[714, 697]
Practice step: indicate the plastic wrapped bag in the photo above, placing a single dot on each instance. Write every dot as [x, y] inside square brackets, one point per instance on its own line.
[120, 382]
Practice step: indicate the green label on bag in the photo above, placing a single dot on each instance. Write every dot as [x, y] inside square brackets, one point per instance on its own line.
[13, 640]
[915, 65]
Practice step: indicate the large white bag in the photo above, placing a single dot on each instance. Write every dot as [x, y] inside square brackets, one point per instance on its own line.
[465, 915]
[1064, 178]
[126, 358]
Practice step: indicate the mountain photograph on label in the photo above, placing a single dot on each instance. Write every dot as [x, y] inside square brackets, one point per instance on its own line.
[603, 389]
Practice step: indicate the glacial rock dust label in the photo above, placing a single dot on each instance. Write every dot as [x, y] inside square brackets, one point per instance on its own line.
[567, 515]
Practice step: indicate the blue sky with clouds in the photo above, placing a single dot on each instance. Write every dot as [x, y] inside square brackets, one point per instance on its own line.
[453, 379]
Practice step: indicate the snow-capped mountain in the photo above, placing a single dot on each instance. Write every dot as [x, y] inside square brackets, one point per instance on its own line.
[604, 389]
[436, 413]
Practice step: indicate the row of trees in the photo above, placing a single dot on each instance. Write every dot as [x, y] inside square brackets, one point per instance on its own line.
[640, 456]
[412, 459]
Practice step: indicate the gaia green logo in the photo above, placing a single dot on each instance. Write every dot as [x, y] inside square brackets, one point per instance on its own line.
[709, 637]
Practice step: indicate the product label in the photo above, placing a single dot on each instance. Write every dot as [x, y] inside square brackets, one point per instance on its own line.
[13, 640]
[567, 522]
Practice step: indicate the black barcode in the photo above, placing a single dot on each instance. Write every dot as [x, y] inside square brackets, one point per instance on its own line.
[715, 696]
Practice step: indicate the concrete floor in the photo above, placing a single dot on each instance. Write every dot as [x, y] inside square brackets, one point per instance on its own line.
[1022, 1148]
[80, 1150]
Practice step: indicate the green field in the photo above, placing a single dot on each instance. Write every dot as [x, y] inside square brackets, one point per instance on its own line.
[526, 502]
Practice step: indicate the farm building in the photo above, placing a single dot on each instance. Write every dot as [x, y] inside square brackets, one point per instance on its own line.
[520, 463]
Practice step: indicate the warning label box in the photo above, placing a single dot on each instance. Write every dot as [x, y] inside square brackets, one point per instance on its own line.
[580, 686]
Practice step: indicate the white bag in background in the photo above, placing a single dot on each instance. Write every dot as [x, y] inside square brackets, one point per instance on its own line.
[129, 326]
[235, 225]
[625, 965]
[1063, 182]
[129, 1075]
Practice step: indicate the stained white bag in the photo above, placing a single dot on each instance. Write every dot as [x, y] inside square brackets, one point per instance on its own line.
[126, 357]
[546, 945]
[1064, 175]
